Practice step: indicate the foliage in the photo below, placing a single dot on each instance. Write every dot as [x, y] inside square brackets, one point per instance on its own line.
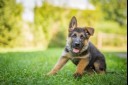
[53, 22]
[23, 68]
[50, 25]
[9, 17]
[113, 9]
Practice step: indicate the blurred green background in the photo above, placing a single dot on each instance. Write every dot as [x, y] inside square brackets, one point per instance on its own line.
[33, 34]
[42, 24]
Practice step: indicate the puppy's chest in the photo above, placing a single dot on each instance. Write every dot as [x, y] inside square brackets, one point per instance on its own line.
[78, 57]
[75, 61]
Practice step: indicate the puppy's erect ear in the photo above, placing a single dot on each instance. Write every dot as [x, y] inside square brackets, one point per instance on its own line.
[89, 30]
[73, 23]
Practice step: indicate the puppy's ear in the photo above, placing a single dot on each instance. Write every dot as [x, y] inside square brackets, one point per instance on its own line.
[73, 23]
[89, 30]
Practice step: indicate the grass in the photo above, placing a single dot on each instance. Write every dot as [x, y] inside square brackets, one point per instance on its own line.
[29, 68]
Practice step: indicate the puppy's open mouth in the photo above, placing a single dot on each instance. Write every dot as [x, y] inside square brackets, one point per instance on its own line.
[76, 50]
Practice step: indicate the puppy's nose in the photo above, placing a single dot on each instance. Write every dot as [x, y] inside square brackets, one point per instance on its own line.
[77, 44]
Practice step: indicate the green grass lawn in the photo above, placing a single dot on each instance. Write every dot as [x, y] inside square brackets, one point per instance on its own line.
[29, 68]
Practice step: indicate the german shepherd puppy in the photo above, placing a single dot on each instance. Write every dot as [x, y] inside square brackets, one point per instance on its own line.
[80, 51]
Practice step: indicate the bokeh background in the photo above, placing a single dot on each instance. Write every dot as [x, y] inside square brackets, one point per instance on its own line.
[33, 34]
[42, 24]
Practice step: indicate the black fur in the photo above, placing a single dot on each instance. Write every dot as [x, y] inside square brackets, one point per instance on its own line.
[95, 55]
[80, 51]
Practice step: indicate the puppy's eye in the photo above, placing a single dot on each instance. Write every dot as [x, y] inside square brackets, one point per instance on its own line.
[81, 36]
[87, 33]
[74, 35]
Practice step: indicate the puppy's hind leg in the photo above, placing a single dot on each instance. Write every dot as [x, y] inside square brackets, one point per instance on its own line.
[100, 66]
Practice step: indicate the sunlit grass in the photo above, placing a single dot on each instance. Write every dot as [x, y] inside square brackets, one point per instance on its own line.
[29, 68]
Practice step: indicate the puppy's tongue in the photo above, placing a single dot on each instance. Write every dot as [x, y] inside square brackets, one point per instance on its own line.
[76, 50]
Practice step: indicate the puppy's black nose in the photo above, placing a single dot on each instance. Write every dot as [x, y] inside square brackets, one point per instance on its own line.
[77, 44]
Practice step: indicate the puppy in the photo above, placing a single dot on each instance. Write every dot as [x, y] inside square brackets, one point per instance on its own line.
[80, 51]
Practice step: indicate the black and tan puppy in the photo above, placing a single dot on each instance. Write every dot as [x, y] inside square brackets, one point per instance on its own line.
[80, 51]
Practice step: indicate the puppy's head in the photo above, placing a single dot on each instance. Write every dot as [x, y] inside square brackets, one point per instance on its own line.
[78, 37]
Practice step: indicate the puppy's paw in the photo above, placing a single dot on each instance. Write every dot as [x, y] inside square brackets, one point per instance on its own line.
[77, 75]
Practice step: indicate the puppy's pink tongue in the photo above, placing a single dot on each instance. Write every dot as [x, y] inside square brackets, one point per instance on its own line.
[76, 50]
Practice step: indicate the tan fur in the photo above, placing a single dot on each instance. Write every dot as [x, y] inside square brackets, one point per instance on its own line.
[86, 42]
[69, 40]
[97, 65]
[83, 58]
[81, 66]
[62, 61]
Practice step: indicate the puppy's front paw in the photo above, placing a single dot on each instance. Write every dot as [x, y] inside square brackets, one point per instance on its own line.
[77, 75]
